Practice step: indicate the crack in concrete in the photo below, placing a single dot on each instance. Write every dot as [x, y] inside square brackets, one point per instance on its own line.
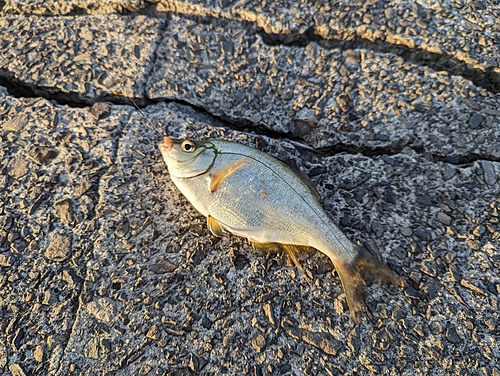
[488, 79]
[20, 89]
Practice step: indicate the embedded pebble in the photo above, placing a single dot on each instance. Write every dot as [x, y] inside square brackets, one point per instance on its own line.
[59, 248]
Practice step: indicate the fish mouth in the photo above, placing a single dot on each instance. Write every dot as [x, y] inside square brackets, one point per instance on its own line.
[168, 144]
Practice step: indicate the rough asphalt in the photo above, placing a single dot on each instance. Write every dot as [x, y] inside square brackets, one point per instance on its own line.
[393, 110]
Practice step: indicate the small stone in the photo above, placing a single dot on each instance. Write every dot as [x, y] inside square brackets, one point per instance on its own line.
[405, 231]
[59, 247]
[100, 110]
[445, 219]
[285, 368]
[70, 277]
[63, 211]
[49, 297]
[468, 285]
[154, 333]
[38, 353]
[91, 349]
[206, 322]
[163, 266]
[258, 342]
[377, 228]
[452, 335]
[418, 328]
[382, 137]
[268, 311]
[490, 177]
[16, 370]
[18, 167]
[494, 150]
[449, 171]
[474, 244]
[475, 120]
[196, 229]
[323, 341]
[103, 309]
[389, 195]
[5, 260]
[424, 233]
[425, 200]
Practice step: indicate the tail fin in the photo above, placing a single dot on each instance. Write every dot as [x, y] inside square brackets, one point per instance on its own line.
[354, 276]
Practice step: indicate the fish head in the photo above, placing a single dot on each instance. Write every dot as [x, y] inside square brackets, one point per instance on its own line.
[187, 158]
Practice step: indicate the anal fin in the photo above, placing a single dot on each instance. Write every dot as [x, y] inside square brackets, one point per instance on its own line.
[292, 250]
[215, 226]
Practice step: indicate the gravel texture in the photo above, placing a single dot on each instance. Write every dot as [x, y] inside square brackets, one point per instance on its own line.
[393, 110]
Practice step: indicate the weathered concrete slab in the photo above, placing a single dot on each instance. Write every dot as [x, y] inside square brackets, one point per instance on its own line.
[466, 31]
[145, 288]
[79, 59]
[106, 269]
[72, 7]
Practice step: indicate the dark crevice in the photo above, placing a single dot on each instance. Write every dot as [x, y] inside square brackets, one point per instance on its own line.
[488, 79]
[19, 89]
[465, 160]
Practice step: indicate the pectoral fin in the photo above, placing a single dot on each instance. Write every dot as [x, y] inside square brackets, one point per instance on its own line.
[215, 227]
[218, 176]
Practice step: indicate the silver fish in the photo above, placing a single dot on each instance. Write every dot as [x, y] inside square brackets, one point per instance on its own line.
[251, 194]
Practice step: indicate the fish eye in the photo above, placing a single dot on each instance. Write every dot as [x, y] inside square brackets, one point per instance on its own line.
[188, 146]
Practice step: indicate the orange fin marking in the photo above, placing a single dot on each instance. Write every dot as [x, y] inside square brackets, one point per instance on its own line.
[218, 177]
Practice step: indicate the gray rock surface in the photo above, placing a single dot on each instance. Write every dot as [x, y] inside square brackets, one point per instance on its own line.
[393, 110]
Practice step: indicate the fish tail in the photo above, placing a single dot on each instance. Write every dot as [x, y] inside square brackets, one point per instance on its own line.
[355, 275]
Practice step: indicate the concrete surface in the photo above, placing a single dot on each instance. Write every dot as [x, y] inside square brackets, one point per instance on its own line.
[392, 109]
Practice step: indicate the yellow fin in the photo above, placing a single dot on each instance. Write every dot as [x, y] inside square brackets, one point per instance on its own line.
[215, 227]
[353, 277]
[291, 250]
[218, 176]
[266, 247]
